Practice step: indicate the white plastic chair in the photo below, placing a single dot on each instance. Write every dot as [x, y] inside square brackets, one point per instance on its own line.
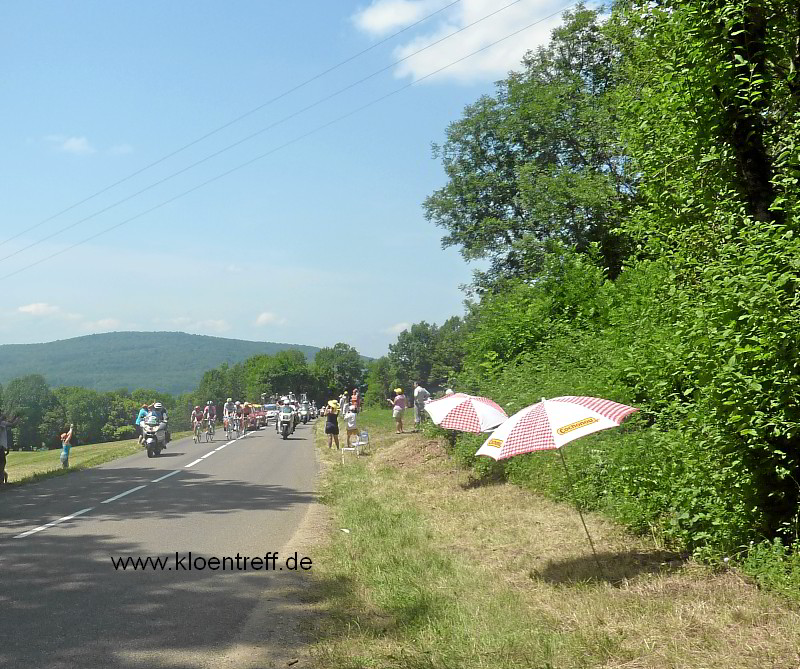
[361, 442]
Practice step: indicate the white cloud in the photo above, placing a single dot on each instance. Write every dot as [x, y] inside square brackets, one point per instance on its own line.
[39, 309]
[397, 328]
[494, 63]
[268, 318]
[385, 16]
[74, 145]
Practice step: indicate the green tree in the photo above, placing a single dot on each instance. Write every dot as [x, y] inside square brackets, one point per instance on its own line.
[542, 160]
[338, 368]
[86, 409]
[380, 378]
[30, 398]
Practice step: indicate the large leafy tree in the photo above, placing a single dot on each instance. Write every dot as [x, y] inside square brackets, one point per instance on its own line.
[539, 161]
[338, 368]
[30, 398]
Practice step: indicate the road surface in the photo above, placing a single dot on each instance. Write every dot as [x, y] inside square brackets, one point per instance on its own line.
[64, 605]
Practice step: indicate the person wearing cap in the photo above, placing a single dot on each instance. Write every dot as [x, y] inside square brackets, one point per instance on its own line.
[332, 423]
[398, 405]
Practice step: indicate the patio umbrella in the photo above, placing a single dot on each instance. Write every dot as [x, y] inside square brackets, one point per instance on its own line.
[466, 413]
[549, 425]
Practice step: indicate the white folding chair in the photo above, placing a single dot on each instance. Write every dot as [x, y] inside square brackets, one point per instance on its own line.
[361, 442]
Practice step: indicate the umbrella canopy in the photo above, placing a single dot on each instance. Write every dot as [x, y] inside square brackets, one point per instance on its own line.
[550, 424]
[466, 413]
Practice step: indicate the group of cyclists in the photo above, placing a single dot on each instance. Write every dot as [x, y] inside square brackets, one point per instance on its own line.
[235, 418]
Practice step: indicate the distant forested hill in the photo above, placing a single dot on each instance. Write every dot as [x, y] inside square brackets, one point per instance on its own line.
[168, 361]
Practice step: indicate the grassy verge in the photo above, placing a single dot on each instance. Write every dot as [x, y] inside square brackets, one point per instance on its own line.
[28, 466]
[436, 571]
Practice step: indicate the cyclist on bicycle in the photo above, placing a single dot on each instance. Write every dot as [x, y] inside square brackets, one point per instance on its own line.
[210, 414]
[228, 410]
[197, 422]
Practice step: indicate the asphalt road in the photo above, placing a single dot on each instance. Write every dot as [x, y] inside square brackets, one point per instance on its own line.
[64, 605]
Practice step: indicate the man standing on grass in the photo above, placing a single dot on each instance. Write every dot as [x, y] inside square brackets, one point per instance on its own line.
[420, 397]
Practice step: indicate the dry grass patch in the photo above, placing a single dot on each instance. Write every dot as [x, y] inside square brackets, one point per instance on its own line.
[440, 572]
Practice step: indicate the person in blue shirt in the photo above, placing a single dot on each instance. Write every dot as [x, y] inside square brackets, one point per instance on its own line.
[142, 414]
[66, 444]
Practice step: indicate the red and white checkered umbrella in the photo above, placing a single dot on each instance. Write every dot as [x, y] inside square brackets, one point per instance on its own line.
[550, 424]
[466, 413]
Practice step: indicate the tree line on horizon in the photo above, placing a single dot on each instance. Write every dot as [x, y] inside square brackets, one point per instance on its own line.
[41, 413]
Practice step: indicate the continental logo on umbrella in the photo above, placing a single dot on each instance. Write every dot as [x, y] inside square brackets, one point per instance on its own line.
[576, 426]
[495, 443]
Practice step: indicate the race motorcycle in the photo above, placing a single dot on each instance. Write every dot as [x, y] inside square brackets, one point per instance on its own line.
[154, 435]
[286, 421]
[305, 414]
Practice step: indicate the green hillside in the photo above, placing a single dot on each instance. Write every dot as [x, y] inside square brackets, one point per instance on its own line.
[169, 361]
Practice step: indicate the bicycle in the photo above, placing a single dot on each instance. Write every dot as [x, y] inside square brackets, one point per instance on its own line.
[228, 424]
[210, 429]
[198, 425]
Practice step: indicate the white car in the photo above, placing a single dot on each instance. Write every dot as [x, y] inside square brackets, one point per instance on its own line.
[271, 413]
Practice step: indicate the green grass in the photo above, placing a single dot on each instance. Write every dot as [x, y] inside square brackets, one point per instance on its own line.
[437, 573]
[28, 466]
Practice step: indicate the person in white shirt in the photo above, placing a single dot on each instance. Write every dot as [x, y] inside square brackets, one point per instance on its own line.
[350, 421]
[420, 397]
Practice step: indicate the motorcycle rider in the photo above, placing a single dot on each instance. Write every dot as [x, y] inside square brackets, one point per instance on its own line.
[160, 411]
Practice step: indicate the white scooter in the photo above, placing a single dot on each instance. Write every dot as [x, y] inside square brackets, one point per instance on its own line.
[286, 422]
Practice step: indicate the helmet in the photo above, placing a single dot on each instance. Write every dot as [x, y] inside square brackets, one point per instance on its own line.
[238, 403]
[230, 399]
[209, 402]
[197, 407]
[158, 405]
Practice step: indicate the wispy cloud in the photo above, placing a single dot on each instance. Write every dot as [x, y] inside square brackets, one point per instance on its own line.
[268, 318]
[397, 328]
[213, 325]
[39, 309]
[75, 145]
[384, 16]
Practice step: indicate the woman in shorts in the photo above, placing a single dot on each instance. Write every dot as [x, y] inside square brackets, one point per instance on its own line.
[332, 423]
[398, 407]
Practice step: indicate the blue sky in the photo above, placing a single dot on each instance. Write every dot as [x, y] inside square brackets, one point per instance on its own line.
[321, 241]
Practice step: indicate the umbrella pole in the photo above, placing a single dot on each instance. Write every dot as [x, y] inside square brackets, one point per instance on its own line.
[580, 513]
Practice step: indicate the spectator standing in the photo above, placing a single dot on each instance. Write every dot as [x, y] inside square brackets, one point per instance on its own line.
[343, 401]
[398, 407]
[420, 397]
[350, 420]
[355, 400]
[66, 444]
[332, 423]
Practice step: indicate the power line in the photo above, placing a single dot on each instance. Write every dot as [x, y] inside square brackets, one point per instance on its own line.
[288, 143]
[258, 132]
[218, 129]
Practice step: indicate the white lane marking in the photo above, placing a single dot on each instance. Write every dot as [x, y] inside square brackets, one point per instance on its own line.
[122, 494]
[207, 455]
[166, 476]
[192, 464]
[54, 522]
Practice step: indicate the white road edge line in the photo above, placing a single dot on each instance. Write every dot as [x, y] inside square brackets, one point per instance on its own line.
[53, 522]
[122, 494]
[192, 464]
[166, 476]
